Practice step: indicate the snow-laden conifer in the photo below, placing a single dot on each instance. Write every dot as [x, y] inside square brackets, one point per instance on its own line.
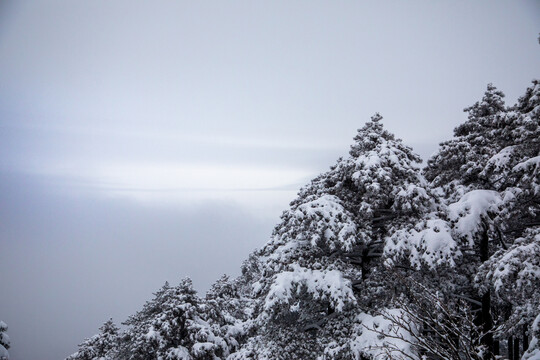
[102, 346]
[321, 267]
[461, 159]
[513, 275]
[4, 341]
[369, 248]
[172, 326]
[488, 178]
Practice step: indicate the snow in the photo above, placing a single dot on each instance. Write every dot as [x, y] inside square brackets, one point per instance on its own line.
[203, 348]
[379, 346]
[3, 353]
[529, 270]
[502, 158]
[377, 158]
[329, 214]
[499, 162]
[533, 353]
[429, 243]
[178, 353]
[152, 334]
[531, 173]
[327, 285]
[532, 162]
[519, 265]
[470, 210]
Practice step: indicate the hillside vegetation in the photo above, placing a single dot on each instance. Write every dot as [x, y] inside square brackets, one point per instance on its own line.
[378, 258]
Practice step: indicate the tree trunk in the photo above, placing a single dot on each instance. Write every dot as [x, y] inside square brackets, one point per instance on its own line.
[525, 338]
[365, 264]
[510, 348]
[485, 317]
[496, 347]
[516, 348]
[487, 325]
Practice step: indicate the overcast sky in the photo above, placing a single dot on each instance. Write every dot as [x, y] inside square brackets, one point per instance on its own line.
[148, 141]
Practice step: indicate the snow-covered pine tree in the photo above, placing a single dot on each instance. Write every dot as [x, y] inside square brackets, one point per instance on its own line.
[515, 169]
[172, 326]
[515, 172]
[4, 341]
[489, 177]
[227, 310]
[102, 346]
[460, 160]
[337, 279]
[321, 266]
[513, 276]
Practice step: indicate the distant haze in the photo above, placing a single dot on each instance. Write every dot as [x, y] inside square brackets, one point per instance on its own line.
[148, 141]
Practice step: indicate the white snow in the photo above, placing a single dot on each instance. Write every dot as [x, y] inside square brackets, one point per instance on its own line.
[178, 353]
[500, 161]
[203, 348]
[376, 344]
[324, 285]
[152, 334]
[3, 353]
[520, 265]
[532, 162]
[330, 215]
[533, 353]
[428, 243]
[470, 210]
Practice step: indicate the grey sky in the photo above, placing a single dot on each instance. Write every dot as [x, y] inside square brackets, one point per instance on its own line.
[148, 141]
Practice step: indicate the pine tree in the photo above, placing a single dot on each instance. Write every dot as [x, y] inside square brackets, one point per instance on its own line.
[513, 276]
[489, 176]
[460, 160]
[4, 341]
[367, 247]
[321, 266]
[102, 346]
[516, 168]
[227, 310]
[172, 326]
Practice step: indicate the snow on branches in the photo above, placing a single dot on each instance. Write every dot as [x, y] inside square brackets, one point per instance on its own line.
[513, 275]
[429, 243]
[328, 286]
[470, 213]
[323, 221]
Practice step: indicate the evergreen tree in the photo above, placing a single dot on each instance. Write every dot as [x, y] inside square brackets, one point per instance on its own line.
[227, 310]
[102, 346]
[515, 170]
[368, 249]
[513, 275]
[172, 326]
[4, 341]
[321, 266]
[489, 177]
[460, 160]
